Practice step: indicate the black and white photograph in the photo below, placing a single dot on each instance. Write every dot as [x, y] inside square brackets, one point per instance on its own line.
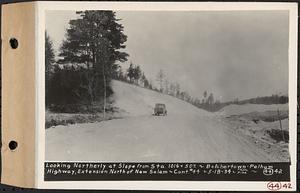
[167, 86]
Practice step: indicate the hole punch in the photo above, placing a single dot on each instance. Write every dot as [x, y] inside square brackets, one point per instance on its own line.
[13, 43]
[13, 145]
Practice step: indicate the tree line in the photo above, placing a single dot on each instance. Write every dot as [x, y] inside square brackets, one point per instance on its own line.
[87, 62]
[135, 75]
[266, 100]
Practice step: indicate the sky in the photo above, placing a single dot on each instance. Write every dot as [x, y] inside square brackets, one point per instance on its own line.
[233, 54]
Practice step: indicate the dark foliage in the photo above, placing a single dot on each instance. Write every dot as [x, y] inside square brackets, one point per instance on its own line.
[279, 135]
[68, 91]
[49, 61]
[267, 100]
[87, 62]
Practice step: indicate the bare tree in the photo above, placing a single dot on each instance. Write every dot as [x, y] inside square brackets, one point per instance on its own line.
[177, 88]
[166, 90]
[160, 78]
[205, 95]
[172, 89]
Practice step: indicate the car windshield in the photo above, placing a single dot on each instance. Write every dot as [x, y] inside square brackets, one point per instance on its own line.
[159, 105]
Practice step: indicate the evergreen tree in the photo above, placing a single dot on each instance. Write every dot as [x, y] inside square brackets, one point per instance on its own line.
[137, 73]
[177, 88]
[49, 61]
[210, 99]
[95, 40]
[144, 80]
[130, 72]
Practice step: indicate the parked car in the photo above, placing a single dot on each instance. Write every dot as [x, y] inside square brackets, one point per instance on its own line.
[160, 109]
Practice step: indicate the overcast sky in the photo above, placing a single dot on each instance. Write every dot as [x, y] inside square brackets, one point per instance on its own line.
[232, 54]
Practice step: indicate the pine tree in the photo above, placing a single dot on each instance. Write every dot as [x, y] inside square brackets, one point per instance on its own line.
[137, 73]
[177, 90]
[144, 80]
[49, 61]
[130, 72]
[210, 99]
[95, 39]
[49, 53]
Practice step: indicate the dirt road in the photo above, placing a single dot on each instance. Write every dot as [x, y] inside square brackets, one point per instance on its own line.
[186, 134]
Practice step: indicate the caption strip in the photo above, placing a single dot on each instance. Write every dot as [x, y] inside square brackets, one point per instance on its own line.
[78, 171]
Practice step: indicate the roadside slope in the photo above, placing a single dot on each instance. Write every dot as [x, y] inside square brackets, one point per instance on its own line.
[137, 101]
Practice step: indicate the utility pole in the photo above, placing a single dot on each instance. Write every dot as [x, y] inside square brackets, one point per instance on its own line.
[280, 125]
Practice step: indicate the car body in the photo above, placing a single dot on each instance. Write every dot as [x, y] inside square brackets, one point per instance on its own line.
[160, 109]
